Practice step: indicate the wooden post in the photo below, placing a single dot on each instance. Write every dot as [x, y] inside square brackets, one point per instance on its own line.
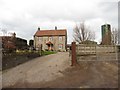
[74, 61]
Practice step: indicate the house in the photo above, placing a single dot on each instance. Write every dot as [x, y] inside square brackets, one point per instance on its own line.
[13, 42]
[7, 43]
[51, 39]
[21, 43]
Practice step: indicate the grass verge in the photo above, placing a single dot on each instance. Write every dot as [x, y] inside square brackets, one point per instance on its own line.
[48, 52]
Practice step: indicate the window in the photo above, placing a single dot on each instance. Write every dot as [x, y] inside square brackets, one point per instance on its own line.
[40, 39]
[60, 38]
[60, 46]
[50, 38]
[37, 38]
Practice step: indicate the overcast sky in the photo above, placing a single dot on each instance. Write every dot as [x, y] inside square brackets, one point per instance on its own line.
[25, 16]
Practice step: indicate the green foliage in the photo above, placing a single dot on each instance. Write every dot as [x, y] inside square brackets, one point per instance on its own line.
[48, 52]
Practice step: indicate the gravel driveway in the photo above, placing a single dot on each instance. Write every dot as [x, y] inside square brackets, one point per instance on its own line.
[39, 70]
[54, 71]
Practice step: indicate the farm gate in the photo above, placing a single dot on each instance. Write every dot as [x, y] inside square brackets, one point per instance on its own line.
[82, 52]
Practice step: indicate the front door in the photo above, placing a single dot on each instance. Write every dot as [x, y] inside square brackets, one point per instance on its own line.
[50, 46]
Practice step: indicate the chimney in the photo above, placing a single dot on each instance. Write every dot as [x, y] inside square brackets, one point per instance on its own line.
[55, 27]
[39, 28]
[14, 34]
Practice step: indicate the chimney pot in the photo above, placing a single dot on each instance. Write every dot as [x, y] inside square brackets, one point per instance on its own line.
[38, 28]
[55, 27]
[14, 34]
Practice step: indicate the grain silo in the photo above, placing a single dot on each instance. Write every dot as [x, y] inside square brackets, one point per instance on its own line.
[106, 34]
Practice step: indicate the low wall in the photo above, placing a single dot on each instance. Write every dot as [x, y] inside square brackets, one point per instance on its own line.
[14, 59]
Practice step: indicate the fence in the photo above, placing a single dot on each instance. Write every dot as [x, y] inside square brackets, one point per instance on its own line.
[94, 49]
[93, 53]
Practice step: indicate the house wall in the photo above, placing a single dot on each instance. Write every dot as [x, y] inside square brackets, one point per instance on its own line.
[58, 41]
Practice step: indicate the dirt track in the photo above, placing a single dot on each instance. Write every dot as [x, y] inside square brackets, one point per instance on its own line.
[55, 71]
[39, 70]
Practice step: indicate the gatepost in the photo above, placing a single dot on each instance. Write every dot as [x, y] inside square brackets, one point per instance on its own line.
[73, 47]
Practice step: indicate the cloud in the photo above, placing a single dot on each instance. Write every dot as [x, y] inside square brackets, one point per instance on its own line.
[24, 16]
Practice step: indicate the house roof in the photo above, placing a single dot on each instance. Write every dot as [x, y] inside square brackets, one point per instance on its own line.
[9, 37]
[5, 36]
[51, 32]
[2, 38]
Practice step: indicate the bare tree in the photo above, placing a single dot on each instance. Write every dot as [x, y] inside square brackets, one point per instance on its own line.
[82, 33]
[114, 36]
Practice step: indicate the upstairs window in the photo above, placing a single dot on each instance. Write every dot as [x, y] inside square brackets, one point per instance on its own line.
[50, 38]
[40, 39]
[60, 38]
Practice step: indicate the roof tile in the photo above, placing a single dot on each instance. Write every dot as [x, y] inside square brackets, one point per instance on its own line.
[51, 32]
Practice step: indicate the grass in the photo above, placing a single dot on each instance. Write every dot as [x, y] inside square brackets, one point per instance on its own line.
[48, 52]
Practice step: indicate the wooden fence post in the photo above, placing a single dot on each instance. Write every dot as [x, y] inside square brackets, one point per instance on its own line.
[73, 47]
